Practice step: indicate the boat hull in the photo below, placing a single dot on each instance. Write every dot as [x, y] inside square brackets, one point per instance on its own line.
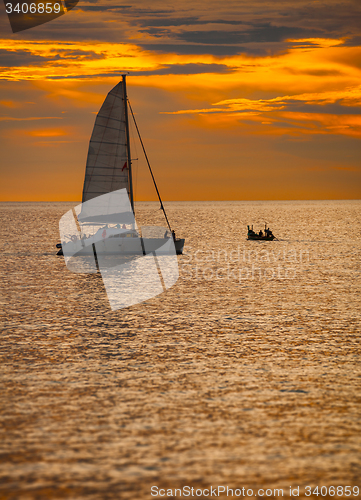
[179, 245]
[125, 246]
[261, 238]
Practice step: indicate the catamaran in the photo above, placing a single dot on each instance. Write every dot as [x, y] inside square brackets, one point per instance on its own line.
[106, 215]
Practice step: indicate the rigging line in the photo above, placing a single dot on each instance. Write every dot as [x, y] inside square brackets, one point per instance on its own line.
[150, 169]
[129, 160]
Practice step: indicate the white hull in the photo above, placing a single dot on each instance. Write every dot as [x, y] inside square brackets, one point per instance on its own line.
[124, 246]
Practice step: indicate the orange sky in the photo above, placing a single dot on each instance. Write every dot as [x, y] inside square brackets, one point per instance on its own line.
[236, 102]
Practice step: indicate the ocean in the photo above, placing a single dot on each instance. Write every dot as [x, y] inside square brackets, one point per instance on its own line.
[244, 374]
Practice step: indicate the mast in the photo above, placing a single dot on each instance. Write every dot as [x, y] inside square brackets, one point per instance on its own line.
[128, 143]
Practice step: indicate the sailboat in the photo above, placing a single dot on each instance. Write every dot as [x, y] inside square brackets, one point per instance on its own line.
[106, 215]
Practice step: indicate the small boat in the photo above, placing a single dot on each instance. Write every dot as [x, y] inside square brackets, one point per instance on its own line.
[108, 177]
[267, 235]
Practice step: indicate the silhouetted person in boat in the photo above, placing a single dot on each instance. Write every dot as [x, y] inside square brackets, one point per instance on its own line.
[250, 231]
[260, 233]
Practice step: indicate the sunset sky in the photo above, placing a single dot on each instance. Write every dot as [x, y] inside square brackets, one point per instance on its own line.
[235, 100]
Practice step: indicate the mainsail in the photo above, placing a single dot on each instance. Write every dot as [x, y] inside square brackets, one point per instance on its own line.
[108, 164]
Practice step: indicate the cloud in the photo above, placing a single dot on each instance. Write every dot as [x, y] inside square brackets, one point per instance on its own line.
[251, 38]
[46, 132]
[29, 118]
[12, 58]
[35, 56]
[9, 104]
[194, 49]
[324, 112]
[103, 8]
[263, 33]
[186, 69]
[211, 26]
[346, 97]
[332, 17]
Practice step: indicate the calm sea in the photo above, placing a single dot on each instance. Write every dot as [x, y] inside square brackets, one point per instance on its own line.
[246, 373]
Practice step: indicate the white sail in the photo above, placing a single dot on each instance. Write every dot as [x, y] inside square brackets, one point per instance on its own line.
[107, 167]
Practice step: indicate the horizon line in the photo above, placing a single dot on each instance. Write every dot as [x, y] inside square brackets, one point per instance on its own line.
[186, 201]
